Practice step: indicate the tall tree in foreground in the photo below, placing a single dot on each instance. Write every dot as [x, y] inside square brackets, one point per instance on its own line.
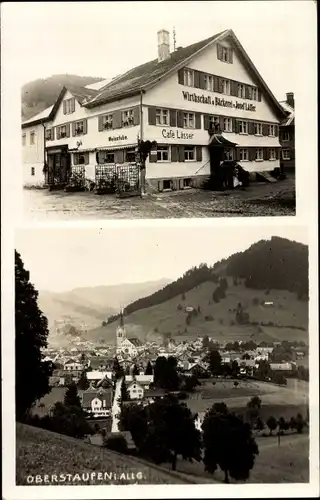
[149, 369]
[71, 397]
[228, 444]
[32, 373]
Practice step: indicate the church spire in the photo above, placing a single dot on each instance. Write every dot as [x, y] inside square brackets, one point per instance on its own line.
[121, 319]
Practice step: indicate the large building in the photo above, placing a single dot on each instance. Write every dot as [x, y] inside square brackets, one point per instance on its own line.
[201, 104]
[287, 136]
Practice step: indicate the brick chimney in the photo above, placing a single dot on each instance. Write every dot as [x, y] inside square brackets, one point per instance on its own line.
[163, 45]
[290, 99]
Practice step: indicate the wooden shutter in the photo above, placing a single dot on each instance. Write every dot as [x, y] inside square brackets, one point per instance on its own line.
[278, 154]
[153, 158]
[199, 153]
[252, 154]
[235, 127]
[174, 153]
[231, 56]
[259, 95]
[202, 81]
[181, 76]
[198, 120]
[85, 126]
[68, 130]
[265, 129]
[219, 51]
[221, 124]
[52, 134]
[233, 88]
[160, 186]
[220, 85]
[216, 84]
[73, 105]
[206, 122]
[251, 128]
[266, 153]
[117, 122]
[180, 119]
[136, 115]
[180, 153]
[86, 158]
[100, 123]
[58, 132]
[237, 154]
[196, 79]
[152, 116]
[246, 92]
[64, 107]
[75, 158]
[276, 130]
[73, 129]
[119, 156]
[173, 117]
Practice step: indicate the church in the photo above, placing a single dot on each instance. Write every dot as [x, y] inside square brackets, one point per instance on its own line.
[126, 346]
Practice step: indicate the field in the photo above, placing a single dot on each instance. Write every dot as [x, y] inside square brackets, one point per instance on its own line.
[287, 319]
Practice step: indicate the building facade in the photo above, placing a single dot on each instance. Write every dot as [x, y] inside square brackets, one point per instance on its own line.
[287, 136]
[201, 104]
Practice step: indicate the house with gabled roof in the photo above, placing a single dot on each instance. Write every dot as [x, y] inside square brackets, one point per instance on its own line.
[287, 135]
[200, 106]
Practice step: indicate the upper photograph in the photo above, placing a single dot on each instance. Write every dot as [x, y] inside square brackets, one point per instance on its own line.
[189, 120]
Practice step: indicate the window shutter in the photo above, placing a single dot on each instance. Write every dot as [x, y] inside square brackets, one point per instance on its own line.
[52, 134]
[119, 156]
[231, 56]
[198, 120]
[174, 153]
[197, 79]
[64, 107]
[206, 122]
[237, 154]
[251, 128]
[100, 123]
[180, 119]
[153, 158]
[199, 153]
[75, 159]
[136, 115]
[219, 51]
[220, 85]
[266, 153]
[235, 127]
[202, 81]
[216, 84]
[180, 153]
[117, 119]
[246, 92]
[152, 116]
[173, 117]
[73, 129]
[58, 132]
[276, 130]
[86, 158]
[221, 124]
[252, 154]
[85, 126]
[73, 104]
[181, 76]
[278, 153]
[259, 95]
[68, 130]
[160, 186]
[98, 154]
[233, 88]
[265, 129]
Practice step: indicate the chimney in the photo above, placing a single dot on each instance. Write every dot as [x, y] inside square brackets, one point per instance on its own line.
[163, 45]
[290, 99]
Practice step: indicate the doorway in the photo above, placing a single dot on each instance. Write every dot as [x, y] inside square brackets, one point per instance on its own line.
[59, 169]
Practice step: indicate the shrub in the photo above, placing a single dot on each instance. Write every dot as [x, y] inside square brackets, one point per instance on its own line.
[117, 443]
[235, 383]
[208, 318]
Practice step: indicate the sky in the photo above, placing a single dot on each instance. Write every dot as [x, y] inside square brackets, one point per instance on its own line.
[60, 259]
[104, 39]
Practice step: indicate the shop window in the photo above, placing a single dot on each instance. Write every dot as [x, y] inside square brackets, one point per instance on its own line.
[32, 138]
[81, 158]
[243, 127]
[127, 118]
[106, 157]
[286, 154]
[24, 138]
[259, 154]
[244, 154]
[162, 117]
[189, 120]
[272, 154]
[272, 130]
[227, 124]
[189, 153]
[257, 128]
[208, 82]
[188, 77]
[163, 153]
[33, 171]
[130, 155]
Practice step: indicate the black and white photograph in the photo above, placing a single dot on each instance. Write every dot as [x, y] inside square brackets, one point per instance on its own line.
[190, 367]
[144, 117]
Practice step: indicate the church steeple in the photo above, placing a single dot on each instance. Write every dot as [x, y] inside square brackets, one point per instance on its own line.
[121, 333]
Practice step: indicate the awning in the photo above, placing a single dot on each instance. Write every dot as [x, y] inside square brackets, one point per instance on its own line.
[115, 148]
[219, 140]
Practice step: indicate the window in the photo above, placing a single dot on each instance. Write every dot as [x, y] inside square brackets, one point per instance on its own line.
[227, 124]
[241, 90]
[106, 157]
[272, 130]
[49, 134]
[228, 154]
[69, 106]
[214, 123]
[33, 171]
[163, 153]
[107, 121]
[79, 128]
[24, 137]
[257, 128]
[62, 131]
[244, 154]
[259, 154]
[130, 155]
[226, 54]
[80, 158]
[127, 117]
[286, 154]
[188, 120]
[162, 117]
[208, 82]
[32, 138]
[225, 84]
[285, 136]
[243, 127]
[189, 153]
[188, 77]
[272, 154]
[167, 185]
[187, 183]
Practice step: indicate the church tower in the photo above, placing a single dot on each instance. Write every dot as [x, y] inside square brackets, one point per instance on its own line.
[121, 333]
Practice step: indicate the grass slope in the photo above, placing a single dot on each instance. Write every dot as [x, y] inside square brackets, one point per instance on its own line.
[162, 318]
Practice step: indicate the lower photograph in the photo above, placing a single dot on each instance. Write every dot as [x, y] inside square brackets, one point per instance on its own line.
[156, 355]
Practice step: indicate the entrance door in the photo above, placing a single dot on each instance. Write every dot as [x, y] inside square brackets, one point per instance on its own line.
[58, 169]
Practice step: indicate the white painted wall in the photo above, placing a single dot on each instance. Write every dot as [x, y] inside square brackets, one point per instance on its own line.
[33, 156]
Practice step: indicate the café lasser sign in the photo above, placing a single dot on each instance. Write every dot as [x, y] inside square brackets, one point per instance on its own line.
[218, 101]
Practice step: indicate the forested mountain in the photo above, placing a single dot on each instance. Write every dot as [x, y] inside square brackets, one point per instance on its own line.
[278, 264]
[42, 93]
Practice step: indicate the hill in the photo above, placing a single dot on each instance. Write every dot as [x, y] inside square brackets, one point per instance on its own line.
[42, 93]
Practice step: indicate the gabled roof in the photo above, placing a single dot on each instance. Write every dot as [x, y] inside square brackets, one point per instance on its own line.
[289, 109]
[43, 115]
[136, 342]
[146, 75]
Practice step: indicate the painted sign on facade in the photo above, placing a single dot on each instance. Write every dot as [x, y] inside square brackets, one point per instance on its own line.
[218, 101]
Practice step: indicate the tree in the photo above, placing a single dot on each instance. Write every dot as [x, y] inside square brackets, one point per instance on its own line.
[69, 420]
[214, 360]
[205, 342]
[190, 383]
[259, 424]
[253, 408]
[117, 369]
[165, 373]
[235, 368]
[149, 369]
[71, 397]
[272, 424]
[31, 332]
[83, 383]
[228, 444]
[135, 370]
[299, 423]
[124, 393]
[263, 371]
